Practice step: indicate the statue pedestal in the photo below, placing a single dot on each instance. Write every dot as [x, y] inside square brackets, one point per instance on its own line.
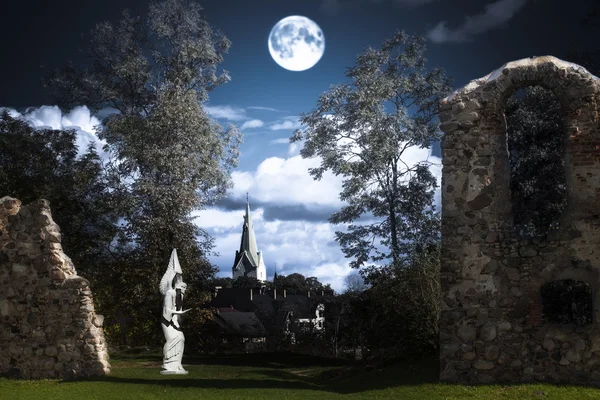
[168, 372]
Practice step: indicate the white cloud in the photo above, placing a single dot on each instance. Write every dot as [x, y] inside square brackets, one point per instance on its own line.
[280, 141]
[226, 112]
[265, 109]
[287, 181]
[215, 218]
[495, 15]
[253, 123]
[305, 247]
[286, 123]
[79, 118]
[287, 246]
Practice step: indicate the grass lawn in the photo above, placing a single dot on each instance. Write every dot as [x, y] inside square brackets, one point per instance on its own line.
[273, 376]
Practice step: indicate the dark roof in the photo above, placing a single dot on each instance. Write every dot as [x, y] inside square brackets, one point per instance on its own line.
[298, 304]
[246, 263]
[264, 304]
[238, 298]
[245, 324]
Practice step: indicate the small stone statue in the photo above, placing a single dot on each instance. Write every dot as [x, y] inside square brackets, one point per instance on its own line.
[173, 288]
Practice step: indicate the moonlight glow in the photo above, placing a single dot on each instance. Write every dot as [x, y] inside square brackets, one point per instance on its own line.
[296, 43]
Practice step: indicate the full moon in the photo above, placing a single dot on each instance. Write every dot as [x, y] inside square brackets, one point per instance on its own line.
[296, 43]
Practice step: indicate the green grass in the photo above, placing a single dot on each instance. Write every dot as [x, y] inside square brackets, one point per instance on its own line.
[274, 376]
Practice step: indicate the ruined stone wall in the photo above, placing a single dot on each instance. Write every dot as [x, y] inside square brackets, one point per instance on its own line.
[491, 328]
[48, 327]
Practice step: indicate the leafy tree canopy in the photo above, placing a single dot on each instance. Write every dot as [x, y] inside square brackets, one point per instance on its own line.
[362, 131]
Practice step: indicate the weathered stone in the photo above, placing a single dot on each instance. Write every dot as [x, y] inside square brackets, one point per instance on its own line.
[449, 126]
[450, 348]
[488, 269]
[6, 308]
[527, 251]
[504, 326]
[479, 202]
[595, 344]
[491, 237]
[513, 274]
[40, 309]
[549, 344]
[466, 333]
[516, 291]
[483, 364]
[516, 363]
[462, 365]
[491, 267]
[579, 344]
[492, 352]
[573, 355]
[488, 332]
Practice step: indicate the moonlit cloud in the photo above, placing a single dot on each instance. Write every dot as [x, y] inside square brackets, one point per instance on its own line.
[290, 212]
[253, 123]
[495, 15]
[291, 123]
[287, 181]
[79, 119]
[288, 247]
[226, 112]
[280, 141]
[265, 109]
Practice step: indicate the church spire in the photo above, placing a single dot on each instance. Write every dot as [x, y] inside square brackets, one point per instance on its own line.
[248, 242]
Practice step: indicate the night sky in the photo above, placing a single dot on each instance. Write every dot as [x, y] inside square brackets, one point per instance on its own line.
[468, 38]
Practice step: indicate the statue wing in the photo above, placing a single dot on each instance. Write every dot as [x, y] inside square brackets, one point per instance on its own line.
[173, 269]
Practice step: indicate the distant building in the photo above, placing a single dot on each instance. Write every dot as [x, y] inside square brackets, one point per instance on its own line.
[272, 312]
[248, 260]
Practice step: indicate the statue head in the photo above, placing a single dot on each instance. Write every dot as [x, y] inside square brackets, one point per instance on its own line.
[181, 285]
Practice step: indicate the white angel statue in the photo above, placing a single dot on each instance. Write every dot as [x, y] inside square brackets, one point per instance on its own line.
[172, 288]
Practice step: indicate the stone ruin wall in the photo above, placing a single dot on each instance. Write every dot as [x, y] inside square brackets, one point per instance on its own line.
[491, 328]
[48, 327]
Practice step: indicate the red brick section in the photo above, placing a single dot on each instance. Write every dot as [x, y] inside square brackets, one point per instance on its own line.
[535, 306]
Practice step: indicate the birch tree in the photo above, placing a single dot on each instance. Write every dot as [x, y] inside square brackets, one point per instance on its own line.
[364, 131]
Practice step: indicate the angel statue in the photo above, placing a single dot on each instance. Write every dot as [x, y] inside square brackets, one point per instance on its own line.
[173, 288]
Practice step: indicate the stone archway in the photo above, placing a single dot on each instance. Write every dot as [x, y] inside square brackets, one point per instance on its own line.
[490, 277]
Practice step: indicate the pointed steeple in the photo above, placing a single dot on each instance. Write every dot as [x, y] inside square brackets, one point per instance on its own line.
[248, 242]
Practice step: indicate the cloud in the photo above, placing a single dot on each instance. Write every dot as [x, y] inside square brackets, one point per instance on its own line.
[79, 119]
[290, 123]
[495, 15]
[226, 112]
[290, 212]
[265, 109]
[280, 141]
[287, 246]
[253, 123]
[287, 181]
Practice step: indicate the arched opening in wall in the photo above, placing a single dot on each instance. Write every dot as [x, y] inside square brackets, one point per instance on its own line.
[535, 134]
[567, 302]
